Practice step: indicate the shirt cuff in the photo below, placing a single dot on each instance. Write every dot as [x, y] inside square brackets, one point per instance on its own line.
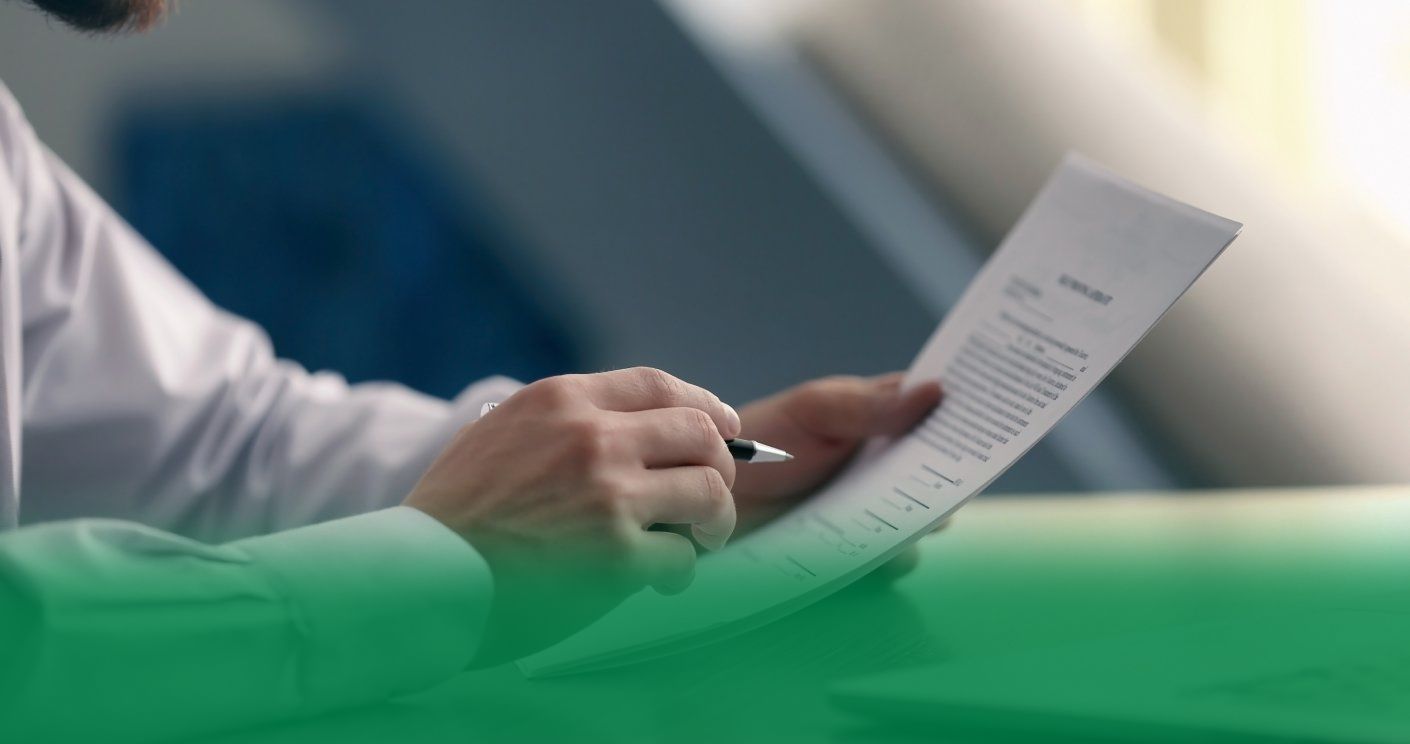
[466, 406]
[383, 603]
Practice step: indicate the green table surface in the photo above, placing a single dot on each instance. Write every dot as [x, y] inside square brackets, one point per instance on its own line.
[1009, 574]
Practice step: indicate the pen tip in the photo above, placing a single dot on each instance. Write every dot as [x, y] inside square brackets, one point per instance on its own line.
[766, 453]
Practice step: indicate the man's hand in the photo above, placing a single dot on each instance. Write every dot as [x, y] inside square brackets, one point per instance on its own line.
[822, 423]
[555, 487]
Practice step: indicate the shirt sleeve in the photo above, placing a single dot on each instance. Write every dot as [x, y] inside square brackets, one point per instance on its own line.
[142, 400]
[116, 629]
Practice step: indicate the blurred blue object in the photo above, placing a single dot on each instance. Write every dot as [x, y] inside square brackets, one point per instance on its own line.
[322, 223]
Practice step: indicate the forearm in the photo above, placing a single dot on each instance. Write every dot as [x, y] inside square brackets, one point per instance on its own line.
[114, 629]
[144, 401]
[237, 447]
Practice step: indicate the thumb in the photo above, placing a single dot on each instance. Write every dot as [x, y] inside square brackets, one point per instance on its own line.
[904, 409]
[853, 408]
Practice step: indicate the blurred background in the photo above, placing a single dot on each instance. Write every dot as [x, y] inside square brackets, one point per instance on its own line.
[752, 192]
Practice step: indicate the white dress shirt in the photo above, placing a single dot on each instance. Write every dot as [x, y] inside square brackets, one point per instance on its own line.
[126, 395]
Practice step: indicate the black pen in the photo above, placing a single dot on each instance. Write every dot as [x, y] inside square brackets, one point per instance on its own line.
[744, 450]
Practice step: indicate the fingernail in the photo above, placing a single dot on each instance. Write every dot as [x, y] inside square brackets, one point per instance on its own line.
[710, 540]
[734, 415]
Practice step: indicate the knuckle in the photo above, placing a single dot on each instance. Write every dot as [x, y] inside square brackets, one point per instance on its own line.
[609, 511]
[600, 511]
[702, 426]
[588, 441]
[610, 491]
[658, 383]
[817, 392]
[835, 385]
[552, 392]
[842, 395]
[715, 489]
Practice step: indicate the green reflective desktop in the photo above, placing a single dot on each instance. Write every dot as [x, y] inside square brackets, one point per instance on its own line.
[1008, 576]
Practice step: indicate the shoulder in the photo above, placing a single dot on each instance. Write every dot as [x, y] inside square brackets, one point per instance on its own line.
[26, 170]
[12, 118]
[15, 133]
[8, 103]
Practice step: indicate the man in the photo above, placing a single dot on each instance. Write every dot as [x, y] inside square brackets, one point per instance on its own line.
[127, 395]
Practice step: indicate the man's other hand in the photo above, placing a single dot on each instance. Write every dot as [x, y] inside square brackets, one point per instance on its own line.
[556, 486]
[822, 423]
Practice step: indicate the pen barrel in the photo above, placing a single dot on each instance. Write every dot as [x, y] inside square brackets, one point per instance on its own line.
[741, 449]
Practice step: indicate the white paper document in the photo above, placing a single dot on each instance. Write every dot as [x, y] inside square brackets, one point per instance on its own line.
[1084, 275]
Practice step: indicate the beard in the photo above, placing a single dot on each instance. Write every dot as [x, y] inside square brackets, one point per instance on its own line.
[104, 15]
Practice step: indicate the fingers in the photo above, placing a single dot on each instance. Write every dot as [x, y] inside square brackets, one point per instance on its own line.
[689, 473]
[665, 561]
[644, 388]
[907, 408]
[670, 437]
[851, 408]
[695, 495]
